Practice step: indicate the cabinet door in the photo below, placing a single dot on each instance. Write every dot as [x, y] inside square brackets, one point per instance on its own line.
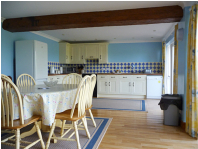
[91, 51]
[126, 84]
[102, 84]
[64, 53]
[139, 83]
[103, 53]
[77, 54]
[113, 84]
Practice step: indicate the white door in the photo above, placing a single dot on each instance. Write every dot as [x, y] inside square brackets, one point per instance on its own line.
[169, 68]
[113, 84]
[40, 60]
[102, 84]
[125, 84]
[91, 51]
[103, 53]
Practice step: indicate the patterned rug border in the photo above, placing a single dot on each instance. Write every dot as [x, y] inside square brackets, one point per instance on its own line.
[142, 110]
[97, 135]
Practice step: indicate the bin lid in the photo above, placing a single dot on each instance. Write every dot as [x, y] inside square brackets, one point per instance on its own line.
[168, 100]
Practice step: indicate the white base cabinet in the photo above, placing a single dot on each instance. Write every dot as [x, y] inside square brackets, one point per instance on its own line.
[126, 86]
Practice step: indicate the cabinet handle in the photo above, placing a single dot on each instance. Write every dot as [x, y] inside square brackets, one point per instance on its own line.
[133, 84]
[138, 77]
[102, 77]
[57, 78]
[82, 57]
[66, 56]
[100, 56]
[109, 84]
[71, 57]
[124, 77]
[112, 77]
[129, 83]
[105, 83]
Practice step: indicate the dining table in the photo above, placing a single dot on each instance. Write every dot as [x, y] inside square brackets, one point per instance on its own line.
[45, 101]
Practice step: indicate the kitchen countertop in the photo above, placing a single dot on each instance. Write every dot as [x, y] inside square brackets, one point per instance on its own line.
[129, 74]
[157, 74]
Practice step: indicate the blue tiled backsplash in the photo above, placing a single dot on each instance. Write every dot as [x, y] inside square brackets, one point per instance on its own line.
[92, 66]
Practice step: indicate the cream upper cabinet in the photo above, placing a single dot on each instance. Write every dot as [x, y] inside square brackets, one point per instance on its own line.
[91, 51]
[77, 54]
[103, 53]
[64, 53]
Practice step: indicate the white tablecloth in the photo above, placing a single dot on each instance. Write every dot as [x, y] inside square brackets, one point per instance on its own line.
[46, 103]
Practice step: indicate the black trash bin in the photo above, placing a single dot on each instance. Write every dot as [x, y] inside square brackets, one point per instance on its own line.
[171, 104]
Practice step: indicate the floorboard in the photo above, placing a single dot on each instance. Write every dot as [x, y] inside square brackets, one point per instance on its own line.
[131, 129]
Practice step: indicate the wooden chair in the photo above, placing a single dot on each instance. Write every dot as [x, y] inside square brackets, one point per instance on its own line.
[7, 113]
[89, 101]
[72, 78]
[2, 75]
[25, 80]
[74, 114]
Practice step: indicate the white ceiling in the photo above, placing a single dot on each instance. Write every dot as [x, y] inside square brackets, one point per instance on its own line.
[123, 34]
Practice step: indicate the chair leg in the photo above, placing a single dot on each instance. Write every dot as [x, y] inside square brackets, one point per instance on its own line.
[17, 135]
[63, 125]
[92, 118]
[50, 135]
[85, 125]
[39, 135]
[77, 135]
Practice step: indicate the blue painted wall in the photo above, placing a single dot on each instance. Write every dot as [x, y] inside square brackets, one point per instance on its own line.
[182, 60]
[135, 52]
[8, 49]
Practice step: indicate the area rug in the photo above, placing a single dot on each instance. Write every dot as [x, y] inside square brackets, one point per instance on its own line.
[97, 133]
[119, 104]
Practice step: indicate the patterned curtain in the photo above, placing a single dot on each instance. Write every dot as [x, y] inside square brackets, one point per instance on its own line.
[163, 65]
[192, 76]
[175, 77]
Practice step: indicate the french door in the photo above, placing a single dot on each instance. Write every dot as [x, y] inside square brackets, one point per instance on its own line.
[169, 70]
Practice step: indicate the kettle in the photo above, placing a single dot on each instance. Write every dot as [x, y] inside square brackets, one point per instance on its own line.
[52, 70]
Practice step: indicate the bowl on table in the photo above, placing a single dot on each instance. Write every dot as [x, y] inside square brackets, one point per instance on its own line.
[50, 83]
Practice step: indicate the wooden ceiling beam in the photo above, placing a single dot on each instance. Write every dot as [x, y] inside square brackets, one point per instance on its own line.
[166, 14]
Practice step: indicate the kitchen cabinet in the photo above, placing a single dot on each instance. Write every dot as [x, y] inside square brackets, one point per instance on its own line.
[103, 53]
[77, 54]
[64, 53]
[91, 51]
[102, 84]
[139, 84]
[126, 86]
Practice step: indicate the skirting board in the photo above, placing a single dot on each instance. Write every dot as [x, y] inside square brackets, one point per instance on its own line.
[183, 125]
[120, 96]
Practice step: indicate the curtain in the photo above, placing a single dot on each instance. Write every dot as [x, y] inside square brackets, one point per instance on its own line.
[175, 77]
[163, 65]
[192, 76]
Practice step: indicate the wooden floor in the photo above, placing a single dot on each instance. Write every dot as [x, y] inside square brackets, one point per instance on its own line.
[130, 130]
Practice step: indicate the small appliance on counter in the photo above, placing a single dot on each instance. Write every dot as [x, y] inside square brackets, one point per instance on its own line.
[61, 70]
[69, 69]
[147, 71]
[52, 71]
